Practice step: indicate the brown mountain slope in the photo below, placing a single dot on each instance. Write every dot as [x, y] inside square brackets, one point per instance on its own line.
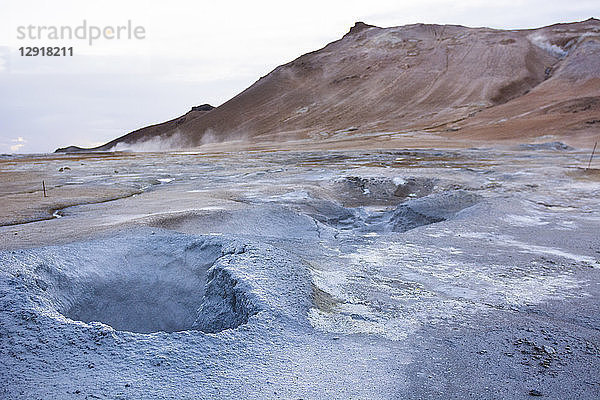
[566, 105]
[457, 81]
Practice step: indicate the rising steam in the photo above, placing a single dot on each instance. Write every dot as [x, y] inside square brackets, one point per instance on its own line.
[176, 141]
[543, 43]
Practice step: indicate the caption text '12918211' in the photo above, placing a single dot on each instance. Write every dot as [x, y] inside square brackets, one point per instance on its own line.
[46, 51]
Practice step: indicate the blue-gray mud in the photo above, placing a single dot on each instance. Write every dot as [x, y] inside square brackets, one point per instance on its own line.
[416, 274]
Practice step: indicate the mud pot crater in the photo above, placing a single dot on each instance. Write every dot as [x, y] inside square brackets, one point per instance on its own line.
[410, 214]
[145, 284]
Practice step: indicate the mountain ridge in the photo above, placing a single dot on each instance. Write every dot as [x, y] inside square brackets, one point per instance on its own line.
[455, 81]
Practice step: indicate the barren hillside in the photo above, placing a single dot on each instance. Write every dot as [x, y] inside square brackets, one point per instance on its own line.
[468, 83]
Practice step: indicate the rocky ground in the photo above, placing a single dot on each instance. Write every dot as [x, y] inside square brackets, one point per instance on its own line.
[415, 274]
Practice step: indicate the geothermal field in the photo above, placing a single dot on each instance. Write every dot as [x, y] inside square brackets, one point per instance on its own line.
[407, 213]
[383, 274]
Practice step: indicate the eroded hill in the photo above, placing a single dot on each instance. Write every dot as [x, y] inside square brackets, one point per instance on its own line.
[467, 83]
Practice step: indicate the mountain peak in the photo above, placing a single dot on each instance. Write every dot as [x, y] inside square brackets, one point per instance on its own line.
[432, 78]
[359, 27]
[203, 107]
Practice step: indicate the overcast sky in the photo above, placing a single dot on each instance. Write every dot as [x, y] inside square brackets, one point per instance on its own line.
[193, 52]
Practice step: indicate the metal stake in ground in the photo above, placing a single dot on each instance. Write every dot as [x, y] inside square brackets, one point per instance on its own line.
[592, 156]
[44, 187]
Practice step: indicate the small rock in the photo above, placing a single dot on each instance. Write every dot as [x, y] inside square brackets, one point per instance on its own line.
[534, 392]
[203, 107]
[41, 284]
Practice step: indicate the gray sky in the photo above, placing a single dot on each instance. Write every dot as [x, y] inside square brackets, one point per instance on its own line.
[193, 52]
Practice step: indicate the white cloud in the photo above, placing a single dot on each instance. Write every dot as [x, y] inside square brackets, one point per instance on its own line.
[18, 144]
[13, 145]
